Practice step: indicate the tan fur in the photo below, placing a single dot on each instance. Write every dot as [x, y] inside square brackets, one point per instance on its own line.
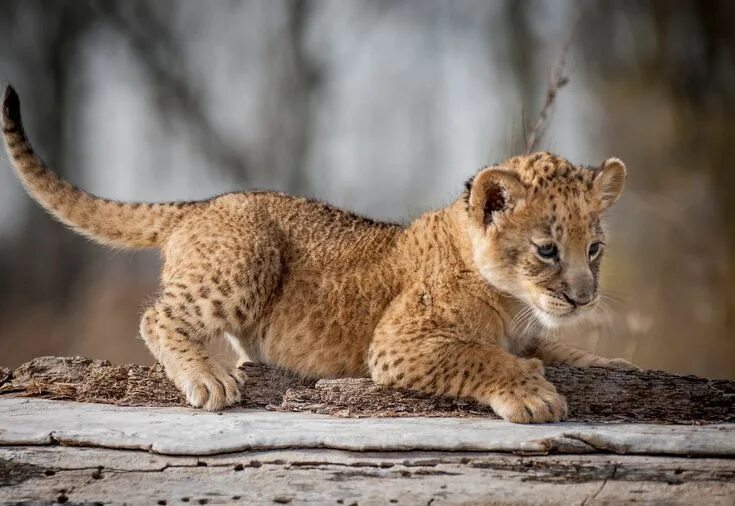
[326, 293]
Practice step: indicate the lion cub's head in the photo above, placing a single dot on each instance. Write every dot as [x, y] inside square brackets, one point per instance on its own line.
[536, 234]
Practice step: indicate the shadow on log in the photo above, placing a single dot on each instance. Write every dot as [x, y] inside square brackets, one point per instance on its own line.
[594, 395]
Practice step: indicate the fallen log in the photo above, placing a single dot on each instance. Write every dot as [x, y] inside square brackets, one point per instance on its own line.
[57, 474]
[594, 395]
[101, 452]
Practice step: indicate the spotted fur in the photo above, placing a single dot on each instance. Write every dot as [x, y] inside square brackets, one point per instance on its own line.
[325, 293]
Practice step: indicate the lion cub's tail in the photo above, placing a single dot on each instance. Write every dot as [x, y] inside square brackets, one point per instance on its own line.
[121, 224]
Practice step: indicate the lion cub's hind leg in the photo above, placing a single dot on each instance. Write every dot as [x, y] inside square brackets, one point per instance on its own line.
[178, 343]
[220, 286]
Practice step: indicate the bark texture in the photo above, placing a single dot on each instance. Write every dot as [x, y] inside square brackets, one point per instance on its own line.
[594, 395]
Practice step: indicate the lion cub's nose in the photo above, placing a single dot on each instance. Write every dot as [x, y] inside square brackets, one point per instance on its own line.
[580, 287]
[581, 298]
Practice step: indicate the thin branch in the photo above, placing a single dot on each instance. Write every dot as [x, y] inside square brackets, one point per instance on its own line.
[558, 79]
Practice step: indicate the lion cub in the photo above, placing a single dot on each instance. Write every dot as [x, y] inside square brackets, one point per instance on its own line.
[325, 293]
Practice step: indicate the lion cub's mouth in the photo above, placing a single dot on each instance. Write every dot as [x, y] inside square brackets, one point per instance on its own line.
[553, 311]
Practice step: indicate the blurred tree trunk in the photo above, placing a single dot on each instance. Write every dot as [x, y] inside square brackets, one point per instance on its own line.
[49, 256]
[521, 62]
[300, 84]
[670, 66]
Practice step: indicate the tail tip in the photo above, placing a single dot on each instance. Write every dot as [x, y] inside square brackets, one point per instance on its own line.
[11, 106]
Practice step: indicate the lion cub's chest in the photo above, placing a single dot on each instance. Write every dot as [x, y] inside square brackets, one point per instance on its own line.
[517, 338]
[517, 344]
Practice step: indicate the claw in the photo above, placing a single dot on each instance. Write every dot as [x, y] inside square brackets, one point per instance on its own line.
[208, 385]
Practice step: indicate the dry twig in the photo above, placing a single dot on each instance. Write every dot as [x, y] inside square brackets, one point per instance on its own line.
[557, 80]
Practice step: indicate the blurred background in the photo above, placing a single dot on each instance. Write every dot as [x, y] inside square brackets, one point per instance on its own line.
[384, 107]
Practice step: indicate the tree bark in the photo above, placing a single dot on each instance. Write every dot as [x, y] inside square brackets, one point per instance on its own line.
[594, 395]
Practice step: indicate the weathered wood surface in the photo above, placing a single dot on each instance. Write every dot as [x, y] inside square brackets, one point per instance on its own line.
[90, 475]
[130, 440]
[594, 395]
[185, 431]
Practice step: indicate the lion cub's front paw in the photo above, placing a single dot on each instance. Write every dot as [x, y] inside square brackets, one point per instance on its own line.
[619, 363]
[530, 399]
[209, 385]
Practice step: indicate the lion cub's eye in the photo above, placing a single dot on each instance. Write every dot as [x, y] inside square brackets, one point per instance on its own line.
[549, 251]
[595, 248]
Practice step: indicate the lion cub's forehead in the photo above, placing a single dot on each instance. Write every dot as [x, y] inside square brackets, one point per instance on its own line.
[560, 194]
[550, 173]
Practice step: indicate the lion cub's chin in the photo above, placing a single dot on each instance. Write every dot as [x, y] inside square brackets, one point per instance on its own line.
[556, 317]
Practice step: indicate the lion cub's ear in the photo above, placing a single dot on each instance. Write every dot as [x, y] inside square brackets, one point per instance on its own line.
[610, 181]
[494, 190]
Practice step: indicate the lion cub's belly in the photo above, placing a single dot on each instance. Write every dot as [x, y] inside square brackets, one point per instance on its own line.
[319, 327]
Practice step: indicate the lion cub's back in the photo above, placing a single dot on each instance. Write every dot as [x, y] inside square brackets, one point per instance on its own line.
[315, 232]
